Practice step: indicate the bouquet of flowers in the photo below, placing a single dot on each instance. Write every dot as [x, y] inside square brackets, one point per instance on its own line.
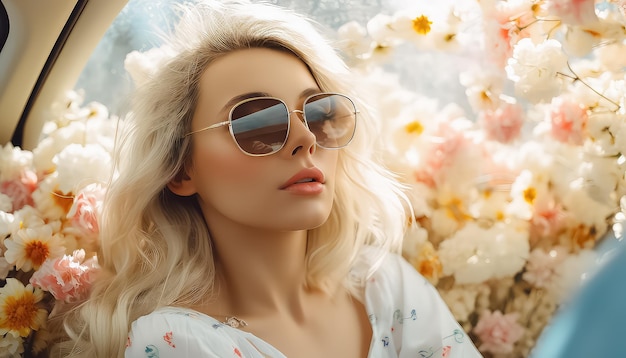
[513, 191]
[50, 198]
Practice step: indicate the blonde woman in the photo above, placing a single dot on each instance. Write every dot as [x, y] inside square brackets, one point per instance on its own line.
[248, 217]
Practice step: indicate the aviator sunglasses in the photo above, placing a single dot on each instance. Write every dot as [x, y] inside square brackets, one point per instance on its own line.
[260, 125]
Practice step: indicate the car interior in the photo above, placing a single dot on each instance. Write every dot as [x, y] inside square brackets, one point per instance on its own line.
[44, 46]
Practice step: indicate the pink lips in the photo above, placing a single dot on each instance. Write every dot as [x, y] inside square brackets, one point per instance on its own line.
[307, 181]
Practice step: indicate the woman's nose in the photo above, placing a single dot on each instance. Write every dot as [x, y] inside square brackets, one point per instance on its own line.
[300, 137]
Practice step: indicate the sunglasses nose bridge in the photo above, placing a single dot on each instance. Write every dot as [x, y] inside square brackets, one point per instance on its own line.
[303, 122]
[300, 112]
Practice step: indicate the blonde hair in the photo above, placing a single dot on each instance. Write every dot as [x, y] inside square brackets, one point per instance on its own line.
[155, 246]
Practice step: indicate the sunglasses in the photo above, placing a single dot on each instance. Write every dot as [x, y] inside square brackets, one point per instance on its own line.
[260, 125]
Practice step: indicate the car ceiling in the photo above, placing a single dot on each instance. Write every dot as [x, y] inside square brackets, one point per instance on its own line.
[48, 44]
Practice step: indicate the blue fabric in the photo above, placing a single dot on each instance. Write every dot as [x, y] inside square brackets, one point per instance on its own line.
[591, 324]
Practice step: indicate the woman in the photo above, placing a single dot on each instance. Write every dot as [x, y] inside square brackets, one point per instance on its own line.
[248, 218]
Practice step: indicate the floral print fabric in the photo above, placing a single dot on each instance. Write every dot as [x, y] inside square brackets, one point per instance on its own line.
[408, 318]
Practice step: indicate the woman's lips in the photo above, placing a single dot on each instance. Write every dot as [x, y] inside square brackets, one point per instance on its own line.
[306, 182]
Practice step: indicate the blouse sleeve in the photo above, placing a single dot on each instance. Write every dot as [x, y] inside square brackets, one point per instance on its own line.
[176, 335]
[411, 317]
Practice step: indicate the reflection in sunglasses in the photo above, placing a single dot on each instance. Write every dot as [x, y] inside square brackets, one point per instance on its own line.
[258, 118]
[260, 147]
[334, 132]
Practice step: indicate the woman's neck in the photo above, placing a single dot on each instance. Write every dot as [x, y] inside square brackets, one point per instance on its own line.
[259, 272]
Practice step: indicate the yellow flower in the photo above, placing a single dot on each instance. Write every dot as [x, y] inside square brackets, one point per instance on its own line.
[421, 25]
[30, 247]
[19, 310]
[530, 194]
[414, 127]
[427, 263]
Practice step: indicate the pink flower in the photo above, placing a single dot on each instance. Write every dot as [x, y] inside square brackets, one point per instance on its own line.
[574, 12]
[547, 222]
[68, 278]
[504, 123]
[85, 210]
[20, 190]
[497, 332]
[504, 25]
[447, 143]
[569, 121]
[541, 266]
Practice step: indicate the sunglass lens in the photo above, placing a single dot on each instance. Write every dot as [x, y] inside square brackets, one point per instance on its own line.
[332, 118]
[260, 125]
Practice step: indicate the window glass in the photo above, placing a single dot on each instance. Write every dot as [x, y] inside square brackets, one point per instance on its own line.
[105, 80]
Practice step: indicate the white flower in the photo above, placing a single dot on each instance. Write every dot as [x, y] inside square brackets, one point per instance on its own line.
[5, 267]
[52, 203]
[529, 190]
[541, 266]
[579, 41]
[30, 247]
[412, 121]
[78, 166]
[535, 69]
[20, 309]
[606, 130]
[462, 300]
[580, 12]
[602, 176]
[443, 222]
[13, 161]
[380, 29]
[616, 92]
[490, 205]
[26, 217]
[584, 208]
[353, 39]
[550, 161]
[102, 132]
[6, 203]
[414, 26]
[474, 254]
[612, 56]
[11, 346]
[572, 273]
[448, 34]
[142, 65]
[483, 88]
[66, 111]
[6, 221]
[48, 147]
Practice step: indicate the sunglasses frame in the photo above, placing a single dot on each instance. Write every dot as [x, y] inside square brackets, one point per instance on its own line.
[232, 134]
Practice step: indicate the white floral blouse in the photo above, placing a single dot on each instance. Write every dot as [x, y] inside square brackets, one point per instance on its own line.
[408, 317]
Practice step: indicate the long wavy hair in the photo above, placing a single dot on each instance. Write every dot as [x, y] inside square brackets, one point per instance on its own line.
[155, 246]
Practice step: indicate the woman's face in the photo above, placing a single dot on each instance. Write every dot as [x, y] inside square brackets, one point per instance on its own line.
[259, 192]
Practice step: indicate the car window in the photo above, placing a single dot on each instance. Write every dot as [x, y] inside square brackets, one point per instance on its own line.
[4, 25]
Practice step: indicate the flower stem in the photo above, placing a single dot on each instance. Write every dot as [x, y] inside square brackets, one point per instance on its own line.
[575, 78]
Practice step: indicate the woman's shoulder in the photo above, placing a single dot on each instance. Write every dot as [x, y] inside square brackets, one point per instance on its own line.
[176, 332]
[174, 316]
[409, 314]
[182, 332]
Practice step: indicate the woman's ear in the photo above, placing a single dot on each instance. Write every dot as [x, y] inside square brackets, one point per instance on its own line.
[182, 184]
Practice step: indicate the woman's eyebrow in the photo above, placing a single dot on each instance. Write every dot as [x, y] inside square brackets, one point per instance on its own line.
[309, 92]
[233, 101]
